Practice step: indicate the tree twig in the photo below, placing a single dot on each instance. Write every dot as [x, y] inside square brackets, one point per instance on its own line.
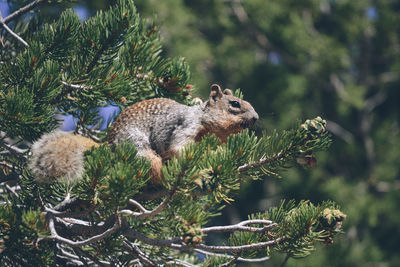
[10, 189]
[14, 150]
[181, 246]
[133, 249]
[56, 236]
[75, 86]
[207, 253]
[22, 10]
[231, 262]
[241, 227]
[144, 213]
[237, 249]
[13, 34]
[262, 161]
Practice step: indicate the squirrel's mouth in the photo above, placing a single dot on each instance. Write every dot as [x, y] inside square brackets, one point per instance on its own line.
[247, 123]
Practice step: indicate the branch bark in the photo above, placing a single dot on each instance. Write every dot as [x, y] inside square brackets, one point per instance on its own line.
[23, 10]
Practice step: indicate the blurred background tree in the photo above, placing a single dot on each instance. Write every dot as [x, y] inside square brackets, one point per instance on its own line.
[298, 59]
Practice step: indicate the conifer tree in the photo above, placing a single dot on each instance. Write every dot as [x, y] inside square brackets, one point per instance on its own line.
[115, 216]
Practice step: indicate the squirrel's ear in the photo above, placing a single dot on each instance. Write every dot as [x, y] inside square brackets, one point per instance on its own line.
[216, 92]
[227, 92]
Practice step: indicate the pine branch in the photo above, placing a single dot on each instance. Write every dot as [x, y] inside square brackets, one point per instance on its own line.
[144, 214]
[63, 214]
[241, 227]
[11, 190]
[178, 262]
[231, 262]
[181, 246]
[242, 248]
[135, 251]
[173, 243]
[15, 151]
[261, 162]
[207, 253]
[76, 86]
[57, 237]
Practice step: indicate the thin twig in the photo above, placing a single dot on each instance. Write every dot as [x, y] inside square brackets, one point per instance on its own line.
[230, 263]
[13, 34]
[67, 203]
[181, 246]
[241, 227]
[14, 150]
[133, 249]
[22, 10]
[207, 253]
[57, 237]
[75, 86]
[62, 214]
[90, 257]
[339, 131]
[155, 242]
[144, 213]
[237, 249]
[177, 262]
[262, 161]
[10, 189]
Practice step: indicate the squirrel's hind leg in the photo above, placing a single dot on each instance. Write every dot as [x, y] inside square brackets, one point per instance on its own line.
[156, 164]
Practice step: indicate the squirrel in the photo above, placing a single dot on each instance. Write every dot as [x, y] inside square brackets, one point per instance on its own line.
[159, 128]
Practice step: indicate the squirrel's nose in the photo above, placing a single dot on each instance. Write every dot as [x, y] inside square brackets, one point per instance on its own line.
[255, 118]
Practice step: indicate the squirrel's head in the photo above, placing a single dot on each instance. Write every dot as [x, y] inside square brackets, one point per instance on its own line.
[227, 114]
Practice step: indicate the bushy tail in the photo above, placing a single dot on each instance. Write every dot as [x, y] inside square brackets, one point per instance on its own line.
[59, 156]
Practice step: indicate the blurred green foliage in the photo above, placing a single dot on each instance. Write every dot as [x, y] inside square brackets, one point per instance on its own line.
[298, 59]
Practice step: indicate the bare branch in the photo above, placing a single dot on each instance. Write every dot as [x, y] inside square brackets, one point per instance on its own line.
[78, 259]
[10, 189]
[207, 253]
[133, 249]
[14, 150]
[262, 161]
[55, 236]
[138, 205]
[67, 203]
[91, 259]
[237, 249]
[75, 86]
[372, 102]
[13, 34]
[155, 242]
[174, 243]
[144, 214]
[241, 227]
[339, 131]
[177, 262]
[231, 262]
[22, 10]
[338, 85]
[56, 213]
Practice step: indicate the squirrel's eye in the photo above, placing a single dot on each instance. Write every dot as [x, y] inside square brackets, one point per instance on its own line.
[235, 104]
